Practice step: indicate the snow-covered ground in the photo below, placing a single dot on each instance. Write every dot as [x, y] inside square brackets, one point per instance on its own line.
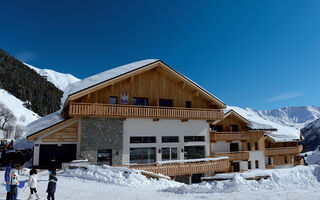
[300, 182]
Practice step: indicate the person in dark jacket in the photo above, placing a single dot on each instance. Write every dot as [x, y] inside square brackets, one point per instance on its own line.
[52, 185]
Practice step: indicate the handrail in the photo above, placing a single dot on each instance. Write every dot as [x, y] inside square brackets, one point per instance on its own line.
[237, 155]
[222, 136]
[175, 169]
[95, 109]
[283, 150]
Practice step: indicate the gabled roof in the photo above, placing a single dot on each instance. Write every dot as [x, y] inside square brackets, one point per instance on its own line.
[82, 87]
[229, 112]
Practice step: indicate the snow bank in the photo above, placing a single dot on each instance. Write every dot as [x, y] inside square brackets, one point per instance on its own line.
[297, 177]
[114, 175]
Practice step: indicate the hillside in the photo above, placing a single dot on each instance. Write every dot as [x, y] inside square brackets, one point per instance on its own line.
[311, 134]
[60, 80]
[39, 95]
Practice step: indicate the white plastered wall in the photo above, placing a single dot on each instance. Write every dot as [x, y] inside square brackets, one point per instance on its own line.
[222, 146]
[257, 155]
[163, 127]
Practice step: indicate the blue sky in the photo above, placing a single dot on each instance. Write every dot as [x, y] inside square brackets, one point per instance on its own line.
[259, 54]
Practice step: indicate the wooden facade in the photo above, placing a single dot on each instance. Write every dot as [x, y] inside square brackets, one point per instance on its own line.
[239, 155]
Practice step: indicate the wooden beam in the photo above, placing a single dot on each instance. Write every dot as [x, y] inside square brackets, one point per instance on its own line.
[184, 120]
[195, 93]
[181, 85]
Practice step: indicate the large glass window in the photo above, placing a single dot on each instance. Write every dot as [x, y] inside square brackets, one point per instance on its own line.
[142, 139]
[169, 153]
[194, 152]
[142, 155]
[217, 128]
[188, 104]
[194, 138]
[169, 139]
[113, 100]
[165, 102]
[140, 101]
[104, 157]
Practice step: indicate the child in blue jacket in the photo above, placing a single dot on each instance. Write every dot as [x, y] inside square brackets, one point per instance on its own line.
[52, 185]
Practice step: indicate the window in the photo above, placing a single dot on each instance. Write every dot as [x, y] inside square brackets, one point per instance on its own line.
[104, 157]
[169, 139]
[257, 164]
[165, 102]
[249, 164]
[234, 128]
[194, 139]
[269, 145]
[169, 153]
[140, 101]
[217, 128]
[256, 146]
[234, 147]
[269, 161]
[194, 152]
[142, 139]
[188, 104]
[113, 100]
[249, 146]
[285, 159]
[142, 155]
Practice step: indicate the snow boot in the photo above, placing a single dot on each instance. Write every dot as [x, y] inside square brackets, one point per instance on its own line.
[37, 196]
[30, 197]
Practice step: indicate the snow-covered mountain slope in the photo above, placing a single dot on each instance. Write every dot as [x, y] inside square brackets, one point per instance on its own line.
[60, 80]
[311, 134]
[283, 133]
[23, 115]
[297, 117]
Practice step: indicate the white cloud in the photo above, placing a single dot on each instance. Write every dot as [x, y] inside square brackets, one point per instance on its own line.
[26, 56]
[285, 96]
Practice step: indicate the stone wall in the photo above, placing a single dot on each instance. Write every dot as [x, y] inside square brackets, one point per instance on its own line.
[102, 133]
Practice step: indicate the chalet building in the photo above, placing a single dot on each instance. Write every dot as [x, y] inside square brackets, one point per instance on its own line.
[145, 115]
[233, 138]
[138, 113]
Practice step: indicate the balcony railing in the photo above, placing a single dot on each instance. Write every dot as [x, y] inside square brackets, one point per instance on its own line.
[185, 168]
[228, 136]
[283, 151]
[106, 110]
[270, 167]
[238, 155]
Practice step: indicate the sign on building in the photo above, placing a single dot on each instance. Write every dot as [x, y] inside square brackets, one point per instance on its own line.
[124, 98]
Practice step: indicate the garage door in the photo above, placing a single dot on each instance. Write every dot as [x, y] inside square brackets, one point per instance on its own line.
[62, 153]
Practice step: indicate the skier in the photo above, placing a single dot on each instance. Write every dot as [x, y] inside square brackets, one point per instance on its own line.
[52, 185]
[7, 178]
[32, 182]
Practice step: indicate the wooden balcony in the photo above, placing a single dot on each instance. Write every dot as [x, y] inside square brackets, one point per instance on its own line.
[228, 136]
[185, 168]
[106, 110]
[238, 155]
[283, 151]
[270, 167]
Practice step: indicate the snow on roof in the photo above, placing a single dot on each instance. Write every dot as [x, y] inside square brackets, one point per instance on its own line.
[103, 76]
[282, 134]
[44, 122]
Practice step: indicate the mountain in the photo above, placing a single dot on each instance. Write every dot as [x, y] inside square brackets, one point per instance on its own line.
[297, 117]
[60, 80]
[311, 134]
[38, 94]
